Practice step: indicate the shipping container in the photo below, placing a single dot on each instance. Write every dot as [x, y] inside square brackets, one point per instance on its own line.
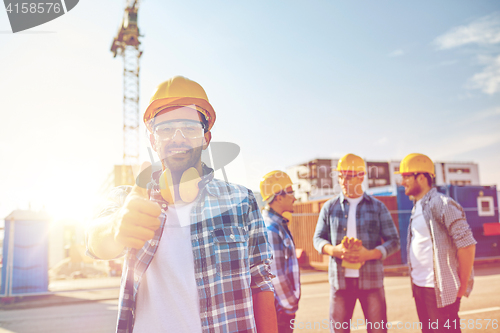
[405, 206]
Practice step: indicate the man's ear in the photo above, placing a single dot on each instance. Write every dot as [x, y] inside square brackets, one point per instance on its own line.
[206, 139]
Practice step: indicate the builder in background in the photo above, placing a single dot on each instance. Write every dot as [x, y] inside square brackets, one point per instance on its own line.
[198, 258]
[276, 190]
[441, 248]
[358, 215]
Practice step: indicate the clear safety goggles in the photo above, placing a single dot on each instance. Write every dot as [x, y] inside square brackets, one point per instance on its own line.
[188, 129]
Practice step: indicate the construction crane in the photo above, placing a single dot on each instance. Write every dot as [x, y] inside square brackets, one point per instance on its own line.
[126, 44]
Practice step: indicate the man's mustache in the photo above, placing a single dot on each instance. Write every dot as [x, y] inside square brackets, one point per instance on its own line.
[182, 146]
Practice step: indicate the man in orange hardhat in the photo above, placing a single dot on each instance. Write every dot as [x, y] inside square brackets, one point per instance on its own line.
[441, 248]
[276, 190]
[356, 270]
[196, 247]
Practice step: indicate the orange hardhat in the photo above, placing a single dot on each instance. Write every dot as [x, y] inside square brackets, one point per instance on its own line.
[178, 92]
[416, 163]
[351, 163]
[273, 183]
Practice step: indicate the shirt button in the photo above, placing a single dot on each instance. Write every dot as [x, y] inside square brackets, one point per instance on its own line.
[136, 279]
[164, 205]
[153, 243]
[232, 237]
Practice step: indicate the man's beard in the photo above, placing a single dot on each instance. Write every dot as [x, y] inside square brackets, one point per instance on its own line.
[414, 190]
[180, 162]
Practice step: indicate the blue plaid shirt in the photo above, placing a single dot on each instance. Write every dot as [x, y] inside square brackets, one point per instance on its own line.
[230, 249]
[285, 265]
[373, 223]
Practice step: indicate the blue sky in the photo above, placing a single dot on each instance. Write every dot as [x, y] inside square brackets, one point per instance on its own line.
[290, 81]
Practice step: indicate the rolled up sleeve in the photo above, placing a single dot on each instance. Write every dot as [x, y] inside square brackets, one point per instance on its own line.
[454, 219]
[388, 232]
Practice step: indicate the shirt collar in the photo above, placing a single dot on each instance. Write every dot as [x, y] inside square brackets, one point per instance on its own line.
[276, 217]
[428, 195]
[343, 198]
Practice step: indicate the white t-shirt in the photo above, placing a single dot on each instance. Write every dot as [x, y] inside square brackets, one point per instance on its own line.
[421, 251]
[351, 230]
[167, 299]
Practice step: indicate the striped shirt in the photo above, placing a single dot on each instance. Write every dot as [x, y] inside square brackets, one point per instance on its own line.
[285, 265]
[373, 224]
[450, 231]
[230, 250]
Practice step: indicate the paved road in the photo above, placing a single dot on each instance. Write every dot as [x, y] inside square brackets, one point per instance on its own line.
[91, 317]
[484, 303]
[97, 317]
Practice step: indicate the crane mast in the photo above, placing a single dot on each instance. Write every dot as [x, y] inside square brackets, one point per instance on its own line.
[126, 44]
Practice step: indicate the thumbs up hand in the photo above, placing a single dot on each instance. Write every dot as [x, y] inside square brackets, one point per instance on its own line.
[138, 219]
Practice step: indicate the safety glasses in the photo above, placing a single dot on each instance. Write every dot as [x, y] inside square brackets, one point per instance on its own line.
[188, 129]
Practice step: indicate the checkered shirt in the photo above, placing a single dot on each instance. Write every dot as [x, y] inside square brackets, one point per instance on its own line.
[230, 249]
[449, 231]
[285, 265]
[373, 223]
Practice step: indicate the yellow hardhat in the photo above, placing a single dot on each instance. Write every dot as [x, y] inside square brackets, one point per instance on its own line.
[416, 163]
[352, 164]
[177, 92]
[274, 182]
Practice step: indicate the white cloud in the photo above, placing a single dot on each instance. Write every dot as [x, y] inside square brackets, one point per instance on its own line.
[488, 80]
[483, 31]
[396, 53]
[463, 144]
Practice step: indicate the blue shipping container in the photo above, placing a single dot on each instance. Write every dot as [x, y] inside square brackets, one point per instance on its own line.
[405, 205]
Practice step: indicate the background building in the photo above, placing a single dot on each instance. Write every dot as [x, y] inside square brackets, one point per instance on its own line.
[313, 179]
